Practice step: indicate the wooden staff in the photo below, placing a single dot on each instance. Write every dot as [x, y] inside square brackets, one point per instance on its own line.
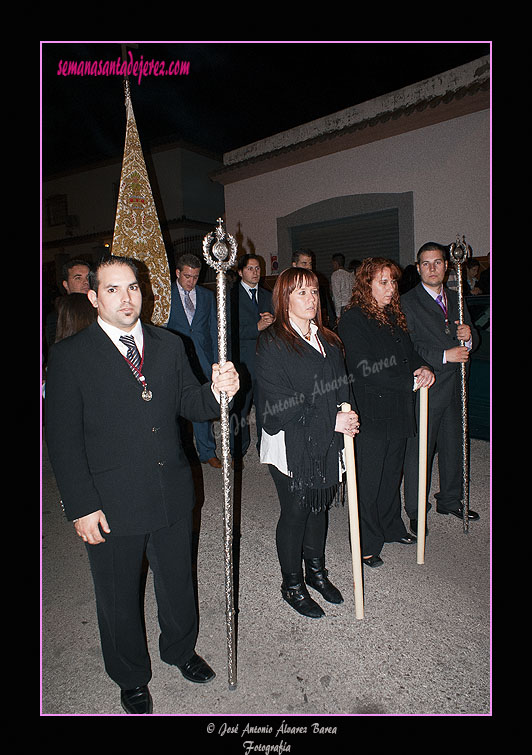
[219, 257]
[422, 476]
[354, 529]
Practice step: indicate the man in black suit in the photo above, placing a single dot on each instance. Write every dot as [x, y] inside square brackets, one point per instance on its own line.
[432, 314]
[115, 448]
[251, 311]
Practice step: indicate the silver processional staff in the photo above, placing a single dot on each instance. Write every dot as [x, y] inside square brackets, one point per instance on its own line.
[219, 251]
[459, 252]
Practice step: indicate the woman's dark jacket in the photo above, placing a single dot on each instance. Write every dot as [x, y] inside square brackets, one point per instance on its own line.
[301, 393]
[380, 361]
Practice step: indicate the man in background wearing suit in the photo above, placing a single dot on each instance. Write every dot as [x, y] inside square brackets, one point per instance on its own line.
[193, 316]
[114, 392]
[432, 314]
[251, 311]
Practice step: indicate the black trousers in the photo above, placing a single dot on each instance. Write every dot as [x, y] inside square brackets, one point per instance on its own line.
[445, 440]
[118, 568]
[300, 533]
[379, 463]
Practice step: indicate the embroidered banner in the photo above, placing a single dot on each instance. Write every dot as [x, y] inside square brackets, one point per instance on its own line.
[137, 232]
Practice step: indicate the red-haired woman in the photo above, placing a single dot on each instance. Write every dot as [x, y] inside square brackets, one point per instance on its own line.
[301, 383]
[383, 363]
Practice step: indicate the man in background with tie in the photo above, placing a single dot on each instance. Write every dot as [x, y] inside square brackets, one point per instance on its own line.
[432, 314]
[250, 311]
[193, 316]
[115, 449]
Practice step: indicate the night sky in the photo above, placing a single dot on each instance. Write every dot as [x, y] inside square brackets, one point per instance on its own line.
[235, 92]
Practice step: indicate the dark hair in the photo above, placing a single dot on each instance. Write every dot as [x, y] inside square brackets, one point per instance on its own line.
[339, 258]
[432, 246]
[69, 265]
[74, 312]
[289, 280]
[109, 261]
[302, 253]
[188, 260]
[363, 296]
[243, 261]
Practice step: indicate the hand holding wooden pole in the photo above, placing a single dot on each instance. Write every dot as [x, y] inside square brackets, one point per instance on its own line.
[422, 475]
[354, 529]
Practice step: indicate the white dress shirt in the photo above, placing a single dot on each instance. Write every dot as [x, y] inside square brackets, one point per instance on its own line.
[249, 289]
[192, 295]
[114, 334]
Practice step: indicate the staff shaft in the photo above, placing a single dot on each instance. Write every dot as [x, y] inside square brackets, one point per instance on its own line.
[463, 397]
[354, 527]
[226, 471]
[422, 474]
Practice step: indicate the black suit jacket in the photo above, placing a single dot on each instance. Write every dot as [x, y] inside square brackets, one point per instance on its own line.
[243, 318]
[110, 449]
[426, 325]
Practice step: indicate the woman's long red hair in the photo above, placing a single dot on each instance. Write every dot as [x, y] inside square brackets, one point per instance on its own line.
[363, 296]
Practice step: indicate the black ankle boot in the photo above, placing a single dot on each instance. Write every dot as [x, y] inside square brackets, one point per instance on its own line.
[296, 594]
[316, 577]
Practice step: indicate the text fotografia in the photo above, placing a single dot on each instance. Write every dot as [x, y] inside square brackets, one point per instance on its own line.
[119, 67]
[250, 745]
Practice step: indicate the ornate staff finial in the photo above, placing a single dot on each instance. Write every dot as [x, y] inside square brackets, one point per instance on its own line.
[215, 252]
[459, 251]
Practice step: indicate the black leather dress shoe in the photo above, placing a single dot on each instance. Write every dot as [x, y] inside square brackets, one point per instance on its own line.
[413, 527]
[407, 540]
[471, 515]
[136, 701]
[373, 561]
[197, 670]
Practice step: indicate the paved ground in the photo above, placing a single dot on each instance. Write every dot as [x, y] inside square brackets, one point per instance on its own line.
[423, 647]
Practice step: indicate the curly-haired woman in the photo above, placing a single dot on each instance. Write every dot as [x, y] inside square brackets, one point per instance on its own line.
[382, 362]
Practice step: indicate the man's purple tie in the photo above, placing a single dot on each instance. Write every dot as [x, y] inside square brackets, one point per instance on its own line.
[440, 301]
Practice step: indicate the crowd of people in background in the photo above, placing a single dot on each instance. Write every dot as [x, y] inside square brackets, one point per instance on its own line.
[370, 336]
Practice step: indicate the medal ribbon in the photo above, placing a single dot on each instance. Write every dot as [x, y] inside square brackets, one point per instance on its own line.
[137, 371]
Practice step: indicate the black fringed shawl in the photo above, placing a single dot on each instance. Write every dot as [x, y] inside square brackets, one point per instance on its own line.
[300, 393]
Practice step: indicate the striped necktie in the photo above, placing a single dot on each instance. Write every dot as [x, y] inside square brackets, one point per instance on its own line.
[132, 352]
[189, 307]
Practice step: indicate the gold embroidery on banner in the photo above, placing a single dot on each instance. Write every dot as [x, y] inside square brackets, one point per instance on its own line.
[137, 232]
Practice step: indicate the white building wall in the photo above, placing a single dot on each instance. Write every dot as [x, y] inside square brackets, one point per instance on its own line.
[446, 166]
